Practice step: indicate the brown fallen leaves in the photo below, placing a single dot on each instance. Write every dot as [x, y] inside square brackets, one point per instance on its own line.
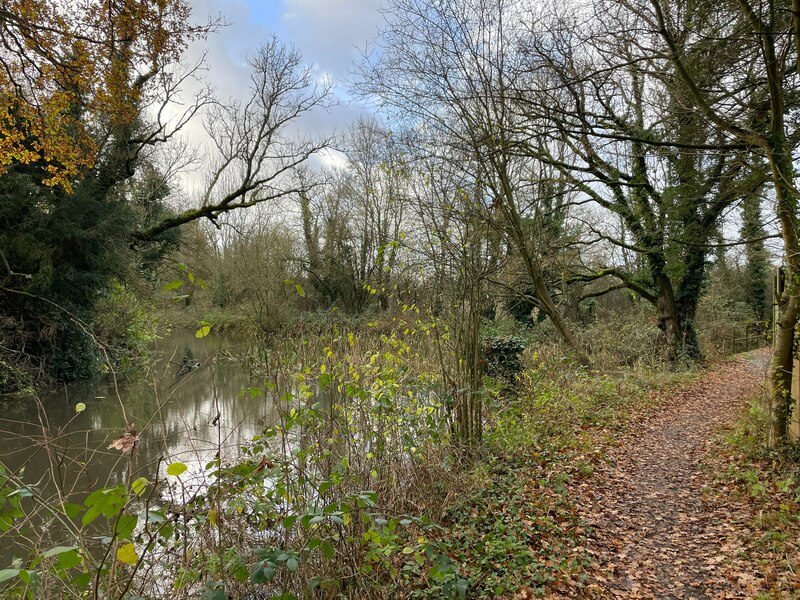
[655, 527]
[127, 441]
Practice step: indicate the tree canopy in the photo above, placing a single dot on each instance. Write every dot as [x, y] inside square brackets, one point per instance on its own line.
[73, 72]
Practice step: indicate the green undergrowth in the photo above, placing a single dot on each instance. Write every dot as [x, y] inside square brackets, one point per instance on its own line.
[768, 482]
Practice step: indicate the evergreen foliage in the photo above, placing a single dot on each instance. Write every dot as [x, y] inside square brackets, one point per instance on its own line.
[757, 266]
[62, 250]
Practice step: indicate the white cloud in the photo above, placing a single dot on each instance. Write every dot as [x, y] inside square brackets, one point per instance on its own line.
[328, 33]
[331, 32]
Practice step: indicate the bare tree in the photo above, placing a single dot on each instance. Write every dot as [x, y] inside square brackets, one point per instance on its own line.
[255, 151]
[447, 70]
[457, 241]
[377, 174]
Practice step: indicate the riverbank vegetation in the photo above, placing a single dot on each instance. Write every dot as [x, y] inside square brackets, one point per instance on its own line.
[353, 487]
[541, 223]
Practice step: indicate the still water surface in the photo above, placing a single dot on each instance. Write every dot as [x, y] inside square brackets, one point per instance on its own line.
[187, 418]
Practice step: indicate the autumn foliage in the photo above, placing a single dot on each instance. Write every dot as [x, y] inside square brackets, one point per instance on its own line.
[73, 70]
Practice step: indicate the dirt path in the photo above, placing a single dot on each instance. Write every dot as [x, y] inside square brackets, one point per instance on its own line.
[655, 530]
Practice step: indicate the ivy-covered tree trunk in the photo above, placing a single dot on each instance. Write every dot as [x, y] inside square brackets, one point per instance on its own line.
[757, 267]
[769, 35]
[677, 313]
[668, 320]
[687, 298]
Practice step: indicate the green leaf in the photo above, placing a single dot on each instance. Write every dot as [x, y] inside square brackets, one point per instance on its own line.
[327, 549]
[214, 590]
[300, 291]
[107, 502]
[204, 330]
[90, 515]
[257, 576]
[127, 554]
[172, 285]
[58, 550]
[176, 469]
[262, 574]
[25, 575]
[369, 498]
[80, 407]
[292, 564]
[6, 574]
[289, 521]
[68, 556]
[72, 510]
[153, 516]
[125, 526]
[138, 487]
[68, 560]
[312, 584]
[214, 595]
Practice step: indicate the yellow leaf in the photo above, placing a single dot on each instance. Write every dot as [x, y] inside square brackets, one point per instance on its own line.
[127, 554]
[139, 486]
[176, 469]
[204, 330]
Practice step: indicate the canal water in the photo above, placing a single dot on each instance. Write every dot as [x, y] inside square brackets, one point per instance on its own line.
[188, 406]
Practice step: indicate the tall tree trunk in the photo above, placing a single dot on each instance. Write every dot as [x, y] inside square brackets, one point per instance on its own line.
[677, 314]
[543, 296]
[687, 297]
[668, 320]
[761, 26]
[310, 237]
[782, 403]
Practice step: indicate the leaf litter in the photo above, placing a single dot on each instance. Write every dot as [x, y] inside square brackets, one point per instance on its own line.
[659, 522]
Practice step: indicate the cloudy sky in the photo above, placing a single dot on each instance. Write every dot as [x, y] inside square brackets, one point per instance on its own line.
[329, 34]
